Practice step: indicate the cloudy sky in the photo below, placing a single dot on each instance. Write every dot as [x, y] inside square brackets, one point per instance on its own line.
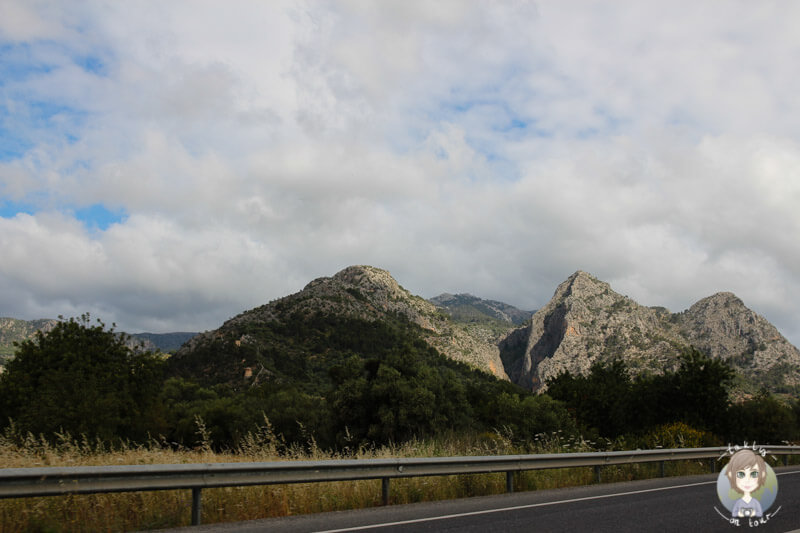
[167, 165]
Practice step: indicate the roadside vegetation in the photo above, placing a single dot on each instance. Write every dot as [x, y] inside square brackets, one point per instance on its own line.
[165, 509]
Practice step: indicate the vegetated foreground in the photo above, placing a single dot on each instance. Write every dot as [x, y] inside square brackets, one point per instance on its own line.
[165, 509]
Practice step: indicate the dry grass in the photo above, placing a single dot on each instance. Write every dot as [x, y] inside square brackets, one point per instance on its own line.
[162, 509]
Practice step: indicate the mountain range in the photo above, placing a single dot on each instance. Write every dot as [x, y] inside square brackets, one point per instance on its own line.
[585, 321]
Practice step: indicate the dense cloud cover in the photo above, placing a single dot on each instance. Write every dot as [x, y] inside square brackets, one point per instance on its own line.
[166, 165]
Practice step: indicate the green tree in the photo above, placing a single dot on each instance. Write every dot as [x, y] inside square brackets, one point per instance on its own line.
[83, 379]
[762, 419]
[601, 401]
[395, 399]
[607, 402]
[700, 395]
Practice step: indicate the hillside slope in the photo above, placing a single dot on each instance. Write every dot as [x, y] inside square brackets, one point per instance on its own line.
[359, 293]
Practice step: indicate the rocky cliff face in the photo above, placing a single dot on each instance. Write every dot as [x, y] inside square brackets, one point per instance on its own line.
[369, 293]
[586, 321]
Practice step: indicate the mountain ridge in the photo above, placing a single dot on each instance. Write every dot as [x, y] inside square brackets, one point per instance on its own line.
[584, 322]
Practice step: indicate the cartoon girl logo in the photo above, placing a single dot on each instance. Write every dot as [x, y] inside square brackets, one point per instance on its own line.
[747, 486]
[747, 473]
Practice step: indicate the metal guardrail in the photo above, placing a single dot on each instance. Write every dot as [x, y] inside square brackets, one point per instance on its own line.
[52, 481]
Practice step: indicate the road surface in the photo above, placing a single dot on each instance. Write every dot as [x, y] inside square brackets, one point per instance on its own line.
[685, 504]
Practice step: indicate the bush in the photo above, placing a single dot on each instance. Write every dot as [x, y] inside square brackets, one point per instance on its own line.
[84, 380]
[674, 435]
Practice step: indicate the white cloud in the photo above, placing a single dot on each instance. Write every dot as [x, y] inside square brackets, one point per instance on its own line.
[465, 146]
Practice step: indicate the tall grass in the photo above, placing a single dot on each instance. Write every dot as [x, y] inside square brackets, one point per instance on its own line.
[162, 509]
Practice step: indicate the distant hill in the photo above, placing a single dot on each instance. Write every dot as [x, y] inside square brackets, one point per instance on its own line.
[166, 342]
[15, 330]
[471, 309]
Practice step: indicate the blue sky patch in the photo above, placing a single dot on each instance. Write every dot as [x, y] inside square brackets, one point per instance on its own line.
[99, 217]
[17, 64]
[42, 111]
[9, 209]
[27, 119]
[96, 217]
[12, 147]
[37, 120]
[92, 64]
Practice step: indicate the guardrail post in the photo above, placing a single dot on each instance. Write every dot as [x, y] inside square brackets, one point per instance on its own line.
[385, 490]
[510, 481]
[713, 466]
[597, 473]
[197, 506]
[786, 460]
[662, 468]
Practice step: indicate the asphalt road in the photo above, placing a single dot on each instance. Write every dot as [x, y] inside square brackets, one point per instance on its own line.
[685, 504]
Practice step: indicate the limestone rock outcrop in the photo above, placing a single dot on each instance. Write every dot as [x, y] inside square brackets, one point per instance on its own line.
[586, 321]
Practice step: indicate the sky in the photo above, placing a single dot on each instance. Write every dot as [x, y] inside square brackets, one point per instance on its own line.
[167, 165]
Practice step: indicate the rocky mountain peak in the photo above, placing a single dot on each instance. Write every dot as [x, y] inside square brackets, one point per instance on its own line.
[720, 303]
[358, 291]
[446, 298]
[724, 327]
[580, 285]
[586, 321]
[371, 279]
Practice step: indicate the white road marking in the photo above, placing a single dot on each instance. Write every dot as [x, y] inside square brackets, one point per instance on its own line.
[529, 506]
[518, 507]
